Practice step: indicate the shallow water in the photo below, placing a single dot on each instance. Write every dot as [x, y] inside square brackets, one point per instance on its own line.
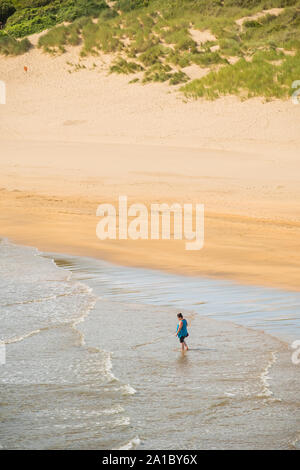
[274, 311]
[92, 361]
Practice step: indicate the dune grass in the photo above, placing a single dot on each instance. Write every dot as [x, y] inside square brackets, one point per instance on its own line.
[56, 39]
[248, 79]
[11, 47]
[102, 36]
[154, 37]
[123, 66]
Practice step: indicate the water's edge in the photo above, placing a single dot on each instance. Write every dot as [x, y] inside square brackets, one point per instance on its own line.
[98, 346]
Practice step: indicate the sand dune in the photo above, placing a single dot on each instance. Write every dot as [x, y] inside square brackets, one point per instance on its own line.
[260, 14]
[73, 139]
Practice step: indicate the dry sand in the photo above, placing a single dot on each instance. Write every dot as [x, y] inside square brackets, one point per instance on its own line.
[70, 141]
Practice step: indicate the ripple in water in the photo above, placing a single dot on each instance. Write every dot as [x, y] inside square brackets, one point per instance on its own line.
[92, 361]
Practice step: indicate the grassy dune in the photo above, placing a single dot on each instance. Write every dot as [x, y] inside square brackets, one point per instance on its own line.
[253, 46]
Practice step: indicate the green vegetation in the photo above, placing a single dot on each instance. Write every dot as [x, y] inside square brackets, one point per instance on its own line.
[57, 38]
[158, 73]
[33, 16]
[122, 66]
[152, 55]
[100, 37]
[248, 79]
[178, 77]
[161, 73]
[255, 57]
[6, 10]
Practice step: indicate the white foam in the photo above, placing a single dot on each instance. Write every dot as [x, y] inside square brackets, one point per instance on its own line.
[265, 377]
[108, 366]
[81, 319]
[128, 390]
[112, 411]
[123, 421]
[228, 394]
[38, 294]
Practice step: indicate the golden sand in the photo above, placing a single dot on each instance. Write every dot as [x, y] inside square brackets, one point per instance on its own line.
[70, 141]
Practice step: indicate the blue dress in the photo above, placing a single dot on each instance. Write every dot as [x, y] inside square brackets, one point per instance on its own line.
[183, 332]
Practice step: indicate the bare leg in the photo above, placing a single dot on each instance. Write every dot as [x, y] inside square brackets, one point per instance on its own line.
[182, 347]
[187, 348]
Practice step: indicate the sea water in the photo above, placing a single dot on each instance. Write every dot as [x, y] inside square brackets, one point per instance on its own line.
[92, 361]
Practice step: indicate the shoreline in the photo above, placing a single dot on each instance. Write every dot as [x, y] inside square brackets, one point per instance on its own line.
[123, 261]
[221, 284]
[50, 192]
[80, 262]
[67, 147]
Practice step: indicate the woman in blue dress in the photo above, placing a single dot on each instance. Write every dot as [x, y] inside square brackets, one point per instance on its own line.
[182, 331]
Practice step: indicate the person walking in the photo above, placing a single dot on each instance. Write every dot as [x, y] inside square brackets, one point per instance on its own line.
[182, 331]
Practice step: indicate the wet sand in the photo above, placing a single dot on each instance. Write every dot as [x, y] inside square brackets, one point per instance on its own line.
[50, 193]
[70, 141]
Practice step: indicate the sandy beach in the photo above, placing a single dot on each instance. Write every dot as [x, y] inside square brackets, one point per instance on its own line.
[71, 140]
[89, 350]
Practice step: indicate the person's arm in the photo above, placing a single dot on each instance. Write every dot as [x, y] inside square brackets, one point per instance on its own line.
[180, 326]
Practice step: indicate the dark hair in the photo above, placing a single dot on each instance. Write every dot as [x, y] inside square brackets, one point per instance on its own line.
[179, 315]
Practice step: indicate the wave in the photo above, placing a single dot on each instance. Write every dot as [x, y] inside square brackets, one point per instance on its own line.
[81, 319]
[17, 339]
[43, 299]
[128, 390]
[265, 377]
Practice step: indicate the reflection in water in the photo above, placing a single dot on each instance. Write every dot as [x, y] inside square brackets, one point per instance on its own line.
[271, 310]
[182, 361]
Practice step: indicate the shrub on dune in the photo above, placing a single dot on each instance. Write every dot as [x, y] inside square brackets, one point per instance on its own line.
[6, 10]
[126, 67]
[102, 36]
[158, 72]
[32, 16]
[57, 38]
[178, 77]
[152, 55]
[11, 46]
[248, 79]
[128, 5]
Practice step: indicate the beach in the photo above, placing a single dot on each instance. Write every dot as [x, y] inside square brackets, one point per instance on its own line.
[66, 147]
